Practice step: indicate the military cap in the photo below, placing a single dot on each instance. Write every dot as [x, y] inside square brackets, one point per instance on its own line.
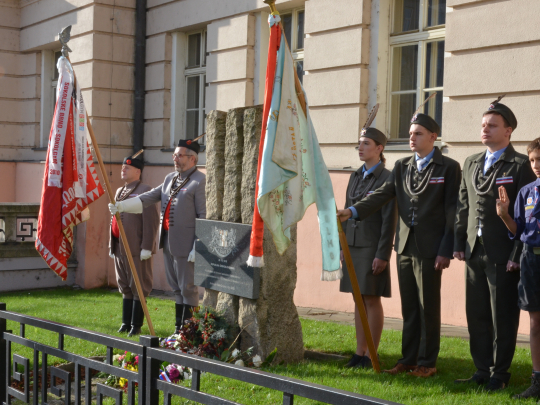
[504, 111]
[373, 133]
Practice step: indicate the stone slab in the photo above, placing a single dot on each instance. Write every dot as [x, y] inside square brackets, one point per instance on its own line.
[215, 163]
[252, 138]
[234, 153]
[221, 252]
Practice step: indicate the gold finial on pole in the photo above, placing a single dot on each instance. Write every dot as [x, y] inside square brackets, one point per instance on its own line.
[272, 5]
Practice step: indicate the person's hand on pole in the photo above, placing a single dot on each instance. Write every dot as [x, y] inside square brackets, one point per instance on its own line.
[344, 215]
[132, 206]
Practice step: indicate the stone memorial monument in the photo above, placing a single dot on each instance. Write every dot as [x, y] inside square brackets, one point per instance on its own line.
[270, 321]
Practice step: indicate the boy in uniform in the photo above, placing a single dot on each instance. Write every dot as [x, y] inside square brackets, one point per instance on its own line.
[526, 227]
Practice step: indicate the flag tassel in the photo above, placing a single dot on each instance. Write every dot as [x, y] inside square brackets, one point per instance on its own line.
[255, 261]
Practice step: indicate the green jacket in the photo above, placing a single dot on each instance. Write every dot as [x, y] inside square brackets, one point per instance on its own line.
[379, 230]
[499, 248]
[434, 209]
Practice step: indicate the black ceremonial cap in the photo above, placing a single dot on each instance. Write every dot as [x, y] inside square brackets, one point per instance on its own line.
[191, 144]
[504, 111]
[373, 133]
[425, 120]
[133, 161]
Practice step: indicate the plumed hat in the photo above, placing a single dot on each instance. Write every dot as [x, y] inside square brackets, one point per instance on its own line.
[425, 120]
[504, 111]
[133, 161]
[191, 144]
[373, 133]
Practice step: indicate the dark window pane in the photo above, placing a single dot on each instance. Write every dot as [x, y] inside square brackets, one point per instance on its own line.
[194, 50]
[300, 70]
[434, 64]
[192, 124]
[403, 107]
[300, 44]
[286, 20]
[205, 47]
[436, 12]
[406, 15]
[55, 69]
[433, 107]
[405, 68]
[192, 92]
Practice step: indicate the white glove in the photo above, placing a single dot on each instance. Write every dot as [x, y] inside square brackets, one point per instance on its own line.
[111, 255]
[145, 254]
[191, 256]
[132, 206]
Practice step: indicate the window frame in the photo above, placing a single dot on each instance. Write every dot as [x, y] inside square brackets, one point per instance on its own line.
[193, 72]
[297, 53]
[420, 37]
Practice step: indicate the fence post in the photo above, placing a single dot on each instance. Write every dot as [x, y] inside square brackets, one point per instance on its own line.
[148, 393]
[3, 359]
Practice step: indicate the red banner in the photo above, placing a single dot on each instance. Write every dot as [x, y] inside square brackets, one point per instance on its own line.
[60, 209]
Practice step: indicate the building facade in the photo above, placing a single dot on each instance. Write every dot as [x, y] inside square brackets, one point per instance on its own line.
[203, 55]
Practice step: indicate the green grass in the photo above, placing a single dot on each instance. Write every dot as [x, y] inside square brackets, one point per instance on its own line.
[99, 310]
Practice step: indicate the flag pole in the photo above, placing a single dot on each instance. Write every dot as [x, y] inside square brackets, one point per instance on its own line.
[110, 194]
[342, 238]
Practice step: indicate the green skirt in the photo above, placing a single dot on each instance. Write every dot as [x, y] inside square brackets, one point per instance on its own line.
[370, 284]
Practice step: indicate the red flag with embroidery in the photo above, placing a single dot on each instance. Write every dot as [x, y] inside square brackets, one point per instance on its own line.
[70, 181]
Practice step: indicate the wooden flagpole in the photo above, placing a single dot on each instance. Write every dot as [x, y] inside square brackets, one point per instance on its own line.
[110, 194]
[342, 238]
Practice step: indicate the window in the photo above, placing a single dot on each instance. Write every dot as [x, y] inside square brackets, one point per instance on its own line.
[293, 25]
[55, 76]
[195, 74]
[49, 79]
[416, 60]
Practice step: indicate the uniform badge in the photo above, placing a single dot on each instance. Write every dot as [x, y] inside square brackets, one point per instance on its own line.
[504, 180]
[436, 180]
[529, 201]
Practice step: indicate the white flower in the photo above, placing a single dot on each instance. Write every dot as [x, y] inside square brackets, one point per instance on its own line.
[187, 376]
[220, 334]
[257, 362]
[239, 362]
[235, 353]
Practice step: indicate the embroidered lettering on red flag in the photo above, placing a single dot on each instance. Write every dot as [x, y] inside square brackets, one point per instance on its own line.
[61, 207]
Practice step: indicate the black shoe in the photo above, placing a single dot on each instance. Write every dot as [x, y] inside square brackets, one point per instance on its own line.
[137, 319]
[474, 379]
[127, 309]
[495, 384]
[179, 314]
[532, 392]
[355, 361]
[365, 363]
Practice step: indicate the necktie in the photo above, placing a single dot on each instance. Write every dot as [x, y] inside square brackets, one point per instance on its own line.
[420, 164]
[489, 163]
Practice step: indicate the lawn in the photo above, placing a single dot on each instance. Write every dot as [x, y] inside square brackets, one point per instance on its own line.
[99, 310]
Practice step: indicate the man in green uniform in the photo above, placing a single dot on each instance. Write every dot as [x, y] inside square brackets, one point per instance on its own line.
[425, 186]
[492, 259]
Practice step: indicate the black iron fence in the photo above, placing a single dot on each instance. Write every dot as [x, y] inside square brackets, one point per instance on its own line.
[14, 367]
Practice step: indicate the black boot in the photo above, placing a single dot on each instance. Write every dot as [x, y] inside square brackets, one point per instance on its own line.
[179, 317]
[137, 319]
[127, 309]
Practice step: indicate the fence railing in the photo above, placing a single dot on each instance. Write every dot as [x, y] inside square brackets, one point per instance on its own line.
[151, 357]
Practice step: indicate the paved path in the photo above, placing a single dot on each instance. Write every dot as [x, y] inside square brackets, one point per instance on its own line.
[348, 319]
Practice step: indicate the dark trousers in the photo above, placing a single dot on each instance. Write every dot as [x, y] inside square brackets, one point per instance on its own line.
[420, 290]
[492, 314]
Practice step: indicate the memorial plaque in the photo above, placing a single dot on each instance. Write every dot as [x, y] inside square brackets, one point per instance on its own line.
[221, 252]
